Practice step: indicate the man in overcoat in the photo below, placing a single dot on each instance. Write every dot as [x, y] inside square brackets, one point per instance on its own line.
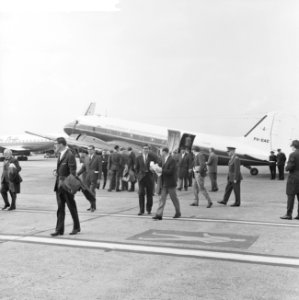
[292, 188]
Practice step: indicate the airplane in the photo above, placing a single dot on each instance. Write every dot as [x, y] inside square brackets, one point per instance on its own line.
[23, 145]
[275, 130]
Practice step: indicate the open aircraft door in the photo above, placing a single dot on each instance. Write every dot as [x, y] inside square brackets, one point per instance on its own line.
[174, 139]
[187, 140]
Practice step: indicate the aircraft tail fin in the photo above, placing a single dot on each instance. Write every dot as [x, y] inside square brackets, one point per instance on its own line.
[275, 130]
[91, 109]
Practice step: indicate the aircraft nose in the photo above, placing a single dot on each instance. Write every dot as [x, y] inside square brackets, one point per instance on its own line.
[69, 128]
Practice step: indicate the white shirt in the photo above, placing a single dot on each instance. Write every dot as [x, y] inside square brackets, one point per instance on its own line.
[63, 152]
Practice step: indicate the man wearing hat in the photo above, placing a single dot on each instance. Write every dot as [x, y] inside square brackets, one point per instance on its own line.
[293, 180]
[272, 165]
[66, 165]
[200, 172]
[281, 160]
[233, 179]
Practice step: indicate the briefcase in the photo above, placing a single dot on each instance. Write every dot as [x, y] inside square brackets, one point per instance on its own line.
[71, 184]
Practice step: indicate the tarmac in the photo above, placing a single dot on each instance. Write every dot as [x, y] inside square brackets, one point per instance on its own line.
[223, 252]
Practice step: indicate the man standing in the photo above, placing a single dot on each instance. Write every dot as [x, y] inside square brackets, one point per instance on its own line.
[114, 167]
[10, 180]
[200, 172]
[184, 164]
[105, 157]
[212, 169]
[93, 170]
[281, 160]
[169, 179]
[272, 165]
[145, 179]
[233, 179]
[131, 168]
[66, 165]
[292, 189]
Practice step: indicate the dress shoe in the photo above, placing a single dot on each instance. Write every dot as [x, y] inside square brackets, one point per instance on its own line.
[157, 218]
[12, 208]
[210, 205]
[235, 204]
[179, 189]
[193, 204]
[56, 233]
[149, 212]
[5, 206]
[118, 190]
[109, 190]
[221, 202]
[286, 217]
[140, 213]
[186, 189]
[297, 218]
[92, 209]
[88, 208]
[75, 231]
[177, 216]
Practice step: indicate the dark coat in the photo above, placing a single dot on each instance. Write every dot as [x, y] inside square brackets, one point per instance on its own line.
[92, 168]
[184, 165]
[234, 169]
[169, 173]
[212, 163]
[65, 166]
[141, 168]
[281, 159]
[131, 161]
[293, 178]
[14, 181]
[115, 161]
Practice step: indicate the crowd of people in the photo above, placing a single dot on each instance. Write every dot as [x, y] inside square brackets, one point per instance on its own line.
[163, 173]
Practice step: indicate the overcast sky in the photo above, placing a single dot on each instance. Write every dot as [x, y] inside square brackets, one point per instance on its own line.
[214, 66]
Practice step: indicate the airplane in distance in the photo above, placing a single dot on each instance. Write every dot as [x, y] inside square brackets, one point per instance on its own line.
[274, 130]
[23, 145]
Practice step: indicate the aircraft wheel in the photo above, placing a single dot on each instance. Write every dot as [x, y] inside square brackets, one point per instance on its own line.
[254, 171]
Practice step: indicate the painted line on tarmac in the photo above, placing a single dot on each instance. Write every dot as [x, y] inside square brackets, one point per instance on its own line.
[117, 214]
[282, 261]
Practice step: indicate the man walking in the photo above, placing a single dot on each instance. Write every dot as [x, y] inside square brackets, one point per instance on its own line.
[200, 172]
[93, 170]
[281, 160]
[66, 165]
[169, 179]
[212, 169]
[292, 189]
[233, 179]
[10, 180]
[145, 179]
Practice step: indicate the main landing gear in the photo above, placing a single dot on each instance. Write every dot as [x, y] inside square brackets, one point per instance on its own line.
[253, 171]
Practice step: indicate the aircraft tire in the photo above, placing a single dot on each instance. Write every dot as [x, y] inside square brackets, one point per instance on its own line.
[254, 171]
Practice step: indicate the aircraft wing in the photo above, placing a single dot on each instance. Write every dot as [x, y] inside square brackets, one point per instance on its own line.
[77, 141]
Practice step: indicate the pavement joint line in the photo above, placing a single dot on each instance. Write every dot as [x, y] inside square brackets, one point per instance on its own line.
[116, 214]
[281, 261]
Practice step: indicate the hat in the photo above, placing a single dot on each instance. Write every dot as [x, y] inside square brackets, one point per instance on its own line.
[271, 151]
[196, 148]
[230, 148]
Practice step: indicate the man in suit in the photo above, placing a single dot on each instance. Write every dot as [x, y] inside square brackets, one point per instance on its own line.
[66, 165]
[10, 180]
[114, 168]
[169, 180]
[184, 164]
[212, 164]
[292, 189]
[281, 160]
[233, 179]
[145, 179]
[191, 158]
[93, 170]
[272, 165]
[105, 157]
[200, 172]
[124, 169]
[131, 168]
